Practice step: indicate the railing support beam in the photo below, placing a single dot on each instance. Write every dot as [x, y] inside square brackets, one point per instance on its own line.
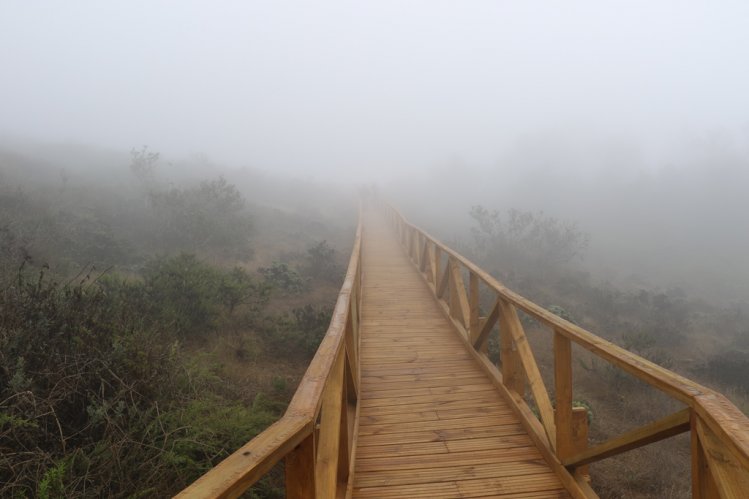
[653, 432]
[563, 394]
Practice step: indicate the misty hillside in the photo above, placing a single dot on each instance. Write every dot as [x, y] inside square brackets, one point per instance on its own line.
[678, 225]
[155, 320]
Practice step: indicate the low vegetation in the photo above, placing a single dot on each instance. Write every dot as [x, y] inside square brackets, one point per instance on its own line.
[139, 345]
[537, 256]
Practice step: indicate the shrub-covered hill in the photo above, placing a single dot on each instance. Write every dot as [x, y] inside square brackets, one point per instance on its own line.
[142, 340]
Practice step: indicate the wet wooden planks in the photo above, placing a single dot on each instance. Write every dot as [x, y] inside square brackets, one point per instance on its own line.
[431, 423]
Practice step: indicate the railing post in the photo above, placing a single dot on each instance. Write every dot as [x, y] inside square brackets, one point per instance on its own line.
[300, 470]
[459, 306]
[512, 370]
[424, 260]
[563, 395]
[452, 291]
[437, 266]
[580, 437]
[703, 483]
[345, 426]
[417, 248]
[473, 305]
[326, 468]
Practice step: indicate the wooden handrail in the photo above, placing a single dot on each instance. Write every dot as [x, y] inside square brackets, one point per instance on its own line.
[720, 431]
[313, 434]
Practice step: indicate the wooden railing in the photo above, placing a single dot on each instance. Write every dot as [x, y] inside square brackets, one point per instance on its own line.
[316, 435]
[719, 431]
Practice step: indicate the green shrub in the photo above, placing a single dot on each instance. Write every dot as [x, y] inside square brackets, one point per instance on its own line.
[79, 384]
[52, 484]
[184, 293]
[279, 275]
[208, 429]
[298, 333]
[238, 288]
[312, 322]
[561, 312]
[321, 263]
[210, 216]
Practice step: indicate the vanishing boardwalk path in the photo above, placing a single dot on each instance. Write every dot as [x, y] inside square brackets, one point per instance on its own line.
[402, 400]
[431, 423]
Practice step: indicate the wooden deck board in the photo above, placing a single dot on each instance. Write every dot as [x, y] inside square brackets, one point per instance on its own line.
[431, 423]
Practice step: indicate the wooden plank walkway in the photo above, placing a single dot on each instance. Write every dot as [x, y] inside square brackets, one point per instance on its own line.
[431, 422]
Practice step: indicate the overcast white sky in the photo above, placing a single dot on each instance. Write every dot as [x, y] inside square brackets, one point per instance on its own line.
[369, 89]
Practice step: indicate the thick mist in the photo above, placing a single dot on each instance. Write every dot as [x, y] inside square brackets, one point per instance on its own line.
[632, 121]
[363, 92]
[679, 223]
[179, 193]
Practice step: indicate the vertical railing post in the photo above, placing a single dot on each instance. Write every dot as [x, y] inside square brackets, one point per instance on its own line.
[563, 394]
[580, 437]
[300, 470]
[432, 268]
[417, 248]
[703, 483]
[326, 468]
[452, 300]
[473, 305]
[344, 426]
[437, 265]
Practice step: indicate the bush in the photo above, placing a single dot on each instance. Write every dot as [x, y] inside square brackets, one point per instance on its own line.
[78, 389]
[206, 430]
[184, 293]
[279, 275]
[321, 263]
[210, 216]
[524, 235]
[561, 312]
[299, 333]
[32, 230]
[238, 288]
[187, 295]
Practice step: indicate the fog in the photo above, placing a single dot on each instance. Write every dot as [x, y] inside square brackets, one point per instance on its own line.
[631, 119]
[362, 91]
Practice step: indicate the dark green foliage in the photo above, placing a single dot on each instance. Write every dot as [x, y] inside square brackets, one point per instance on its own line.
[184, 293]
[321, 263]
[527, 235]
[312, 322]
[561, 312]
[237, 288]
[133, 384]
[76, 384]
[210, 216]
[300, 332]
[95, 394]
[187, 295]
[208, 429]
[32, 230]
[281, 276]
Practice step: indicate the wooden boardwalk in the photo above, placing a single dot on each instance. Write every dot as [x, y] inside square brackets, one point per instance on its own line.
[431, 422]
[401, 399]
